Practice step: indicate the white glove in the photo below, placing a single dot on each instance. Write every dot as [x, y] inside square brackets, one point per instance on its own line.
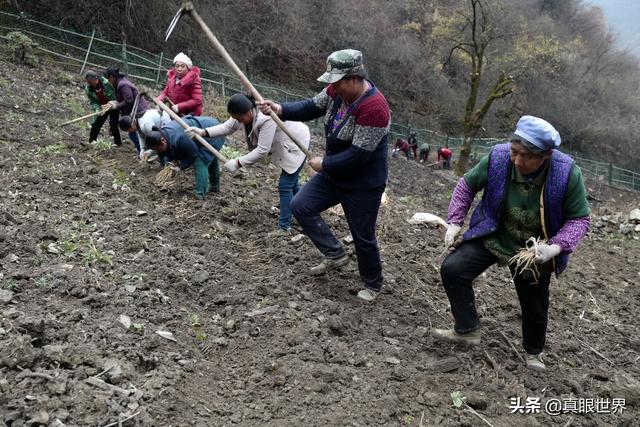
[545, 252]
[175, 108]
[173, 167]
[452, 233]
[144, 154]
[267, 106]
[232, 165]
[193, 131]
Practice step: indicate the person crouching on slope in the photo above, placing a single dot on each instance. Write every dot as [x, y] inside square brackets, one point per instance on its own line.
[176, 146]
[265, 137]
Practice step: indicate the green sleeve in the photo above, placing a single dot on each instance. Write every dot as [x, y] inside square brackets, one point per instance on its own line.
[476, 178]
[575, 203]
[95, 105]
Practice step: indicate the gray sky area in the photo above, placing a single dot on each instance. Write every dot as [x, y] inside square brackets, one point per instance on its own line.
[624, 17]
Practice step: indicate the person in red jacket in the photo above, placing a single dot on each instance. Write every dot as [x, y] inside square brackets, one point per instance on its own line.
[445, 154]
[402, 146]
[184, 87]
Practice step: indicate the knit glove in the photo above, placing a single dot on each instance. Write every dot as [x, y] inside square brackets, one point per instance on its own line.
[193, 131]
[232, 165]
[452, 233]
[545, 252]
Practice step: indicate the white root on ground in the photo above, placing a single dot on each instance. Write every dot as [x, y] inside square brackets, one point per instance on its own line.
[164, 177]
[422, 217]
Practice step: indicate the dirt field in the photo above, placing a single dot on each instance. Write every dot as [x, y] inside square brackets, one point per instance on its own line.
[86, 238]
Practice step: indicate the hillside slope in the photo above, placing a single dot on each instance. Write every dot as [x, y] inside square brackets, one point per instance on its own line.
[87, 238]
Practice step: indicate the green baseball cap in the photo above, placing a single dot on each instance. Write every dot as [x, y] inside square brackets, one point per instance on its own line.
[342, 63]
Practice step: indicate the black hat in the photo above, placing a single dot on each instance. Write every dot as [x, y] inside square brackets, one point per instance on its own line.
[125, 123]
[113, 72]
[153, 139]
[91, 75]
[240, 104]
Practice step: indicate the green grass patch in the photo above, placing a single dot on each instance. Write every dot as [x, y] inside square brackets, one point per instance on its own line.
[120, 178]
[52, 149]
[102, 144]
[230, 152]
[76, 108]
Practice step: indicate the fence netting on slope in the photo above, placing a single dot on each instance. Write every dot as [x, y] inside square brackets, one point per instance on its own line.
[92, 51]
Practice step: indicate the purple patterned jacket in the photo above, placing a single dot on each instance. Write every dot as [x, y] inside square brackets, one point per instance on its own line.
[486, 218]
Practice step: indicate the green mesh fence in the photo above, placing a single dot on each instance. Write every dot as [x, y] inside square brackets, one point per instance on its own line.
[92, 51]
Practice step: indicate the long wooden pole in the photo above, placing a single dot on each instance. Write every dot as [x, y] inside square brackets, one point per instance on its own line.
[189, 8]
[198, 138]
[97, 113]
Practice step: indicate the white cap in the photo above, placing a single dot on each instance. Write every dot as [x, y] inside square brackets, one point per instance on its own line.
[181, 57]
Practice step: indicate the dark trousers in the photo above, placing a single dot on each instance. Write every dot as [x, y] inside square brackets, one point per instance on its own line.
[113, 125]
[361, 211]
[467, 262]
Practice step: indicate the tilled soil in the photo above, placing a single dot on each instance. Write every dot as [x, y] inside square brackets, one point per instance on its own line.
[95, 260]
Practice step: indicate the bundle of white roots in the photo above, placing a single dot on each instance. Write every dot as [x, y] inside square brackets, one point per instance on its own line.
[164, 177]
[525, 259]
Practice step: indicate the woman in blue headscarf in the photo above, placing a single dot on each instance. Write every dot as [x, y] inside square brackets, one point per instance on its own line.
[530, 190]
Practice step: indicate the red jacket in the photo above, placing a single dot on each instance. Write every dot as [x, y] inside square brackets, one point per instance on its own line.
[444, 153]
[187, 94]
[403, 145]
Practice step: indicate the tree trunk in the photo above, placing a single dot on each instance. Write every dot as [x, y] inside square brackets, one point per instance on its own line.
[462, 162]
[472, 122]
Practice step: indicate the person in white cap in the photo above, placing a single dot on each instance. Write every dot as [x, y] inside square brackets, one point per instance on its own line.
[531, 189]
[184, 87]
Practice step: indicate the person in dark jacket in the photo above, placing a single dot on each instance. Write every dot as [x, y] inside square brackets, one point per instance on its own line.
[413, 143]
[126, 93]
[353, 171]
[100, 92]
[176, 146]
[530, 189]
[424, 152]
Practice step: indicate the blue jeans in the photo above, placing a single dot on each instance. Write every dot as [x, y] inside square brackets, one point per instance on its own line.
[288, 186]
[133, 136]
[361, 211]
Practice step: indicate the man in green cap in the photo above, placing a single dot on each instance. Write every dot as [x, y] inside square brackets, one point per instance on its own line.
[353, 172]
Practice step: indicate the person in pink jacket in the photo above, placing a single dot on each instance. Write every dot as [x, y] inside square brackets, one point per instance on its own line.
[184, 88]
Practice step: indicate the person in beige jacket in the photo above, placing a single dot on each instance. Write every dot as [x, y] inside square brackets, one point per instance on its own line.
[264, 137]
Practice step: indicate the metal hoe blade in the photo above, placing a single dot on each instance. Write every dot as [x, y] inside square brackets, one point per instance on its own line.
[174, 22]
